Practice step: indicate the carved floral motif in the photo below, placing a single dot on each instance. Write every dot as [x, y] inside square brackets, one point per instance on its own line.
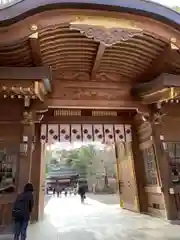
[106, 36]
[27, 118]
[105, 77]
[92, 94]
[84, 76]
[68, 75]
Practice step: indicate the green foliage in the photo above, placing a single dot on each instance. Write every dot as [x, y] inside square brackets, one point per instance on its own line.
[81, 159]
[92, 163]
[54, 161]
[48, 156]
[46, 168]
[176, 8]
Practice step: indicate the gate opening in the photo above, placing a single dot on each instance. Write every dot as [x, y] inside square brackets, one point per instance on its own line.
[72, 165]
[98, 156]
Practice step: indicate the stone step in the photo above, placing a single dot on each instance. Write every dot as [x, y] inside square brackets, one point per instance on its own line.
[6, 232]
[6, 237]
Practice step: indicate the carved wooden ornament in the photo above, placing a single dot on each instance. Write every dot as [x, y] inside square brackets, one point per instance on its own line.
[31, 117]
[84, 76]
[108, 37]
[27, 118]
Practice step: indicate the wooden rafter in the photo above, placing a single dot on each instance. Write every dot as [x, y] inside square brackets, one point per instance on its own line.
[159, 64]
[99, 55]
[35, 49]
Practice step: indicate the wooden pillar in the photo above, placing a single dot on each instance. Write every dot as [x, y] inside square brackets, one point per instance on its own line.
[27, 144]
[164, 173]
[38, 175]
[150, 193]
[139, 169]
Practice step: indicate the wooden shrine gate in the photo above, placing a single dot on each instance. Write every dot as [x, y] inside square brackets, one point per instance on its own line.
[92, 55]
[118, 134]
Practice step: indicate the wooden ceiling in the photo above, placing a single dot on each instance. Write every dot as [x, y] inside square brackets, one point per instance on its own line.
[69, 51]
[66, 49]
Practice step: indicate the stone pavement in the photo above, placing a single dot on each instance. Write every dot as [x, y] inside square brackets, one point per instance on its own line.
[67, 218]
[108, 199]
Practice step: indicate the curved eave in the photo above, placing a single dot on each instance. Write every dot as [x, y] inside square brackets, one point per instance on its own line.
[27, 8]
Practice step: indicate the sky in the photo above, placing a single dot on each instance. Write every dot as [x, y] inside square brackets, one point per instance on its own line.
[168, 3]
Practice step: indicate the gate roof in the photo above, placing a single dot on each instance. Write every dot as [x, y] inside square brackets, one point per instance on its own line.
[143, 7]
[83, 40]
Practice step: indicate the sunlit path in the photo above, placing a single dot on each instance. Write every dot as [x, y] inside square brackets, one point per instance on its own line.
[67, 218]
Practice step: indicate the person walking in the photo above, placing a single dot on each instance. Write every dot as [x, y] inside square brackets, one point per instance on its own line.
[94, 188]
[21, 212]
[82, 192]
[58, 190]
[54, 191]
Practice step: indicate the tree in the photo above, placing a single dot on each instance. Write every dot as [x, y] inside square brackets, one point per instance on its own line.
[108, 165]
[176, 8]
[54, 161]
[81, 159]
[92, 163]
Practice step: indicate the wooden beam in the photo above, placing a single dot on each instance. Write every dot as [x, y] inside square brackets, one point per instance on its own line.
[27, 73]
[39, 106]
[24, 73]
[165, 80]
[35, 49]
[37, 58]
[159, 89]
[94, 104]
[99, 55]
[158, 65]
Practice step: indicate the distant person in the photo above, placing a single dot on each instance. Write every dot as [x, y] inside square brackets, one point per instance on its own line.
[54, 191]
[82, 192]
[47, 190]
[58, 190]
[65, 192]
[94, 188]
[22, 210]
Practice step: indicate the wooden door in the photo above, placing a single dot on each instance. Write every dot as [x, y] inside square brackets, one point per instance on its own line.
[127, 181]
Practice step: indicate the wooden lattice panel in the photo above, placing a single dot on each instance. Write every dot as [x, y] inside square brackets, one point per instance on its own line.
[67, 113]
[96, 113]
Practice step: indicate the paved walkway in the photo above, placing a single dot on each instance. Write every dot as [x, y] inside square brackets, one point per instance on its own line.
[108, 199]
[67, 218]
